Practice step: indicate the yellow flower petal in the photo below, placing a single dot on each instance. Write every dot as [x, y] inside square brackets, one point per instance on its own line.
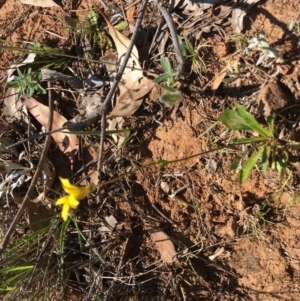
[62, 200]
[75, 194]
[79, 193]
[65, 211]
[73, 202]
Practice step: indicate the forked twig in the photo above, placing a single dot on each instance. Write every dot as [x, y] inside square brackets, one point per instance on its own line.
[35, 177]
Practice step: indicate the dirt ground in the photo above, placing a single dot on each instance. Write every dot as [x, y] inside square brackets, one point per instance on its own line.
[252, 228]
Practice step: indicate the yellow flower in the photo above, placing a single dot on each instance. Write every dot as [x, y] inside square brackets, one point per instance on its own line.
[75, 194]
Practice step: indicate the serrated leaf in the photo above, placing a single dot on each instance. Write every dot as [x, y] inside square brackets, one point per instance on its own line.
[233, 121]
[249, 164]
[251, 121]
[19, 72]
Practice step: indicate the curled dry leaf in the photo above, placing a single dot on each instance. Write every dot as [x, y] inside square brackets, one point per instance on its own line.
[164, 245]
[67, 143]
[133, 85]
[40, 3]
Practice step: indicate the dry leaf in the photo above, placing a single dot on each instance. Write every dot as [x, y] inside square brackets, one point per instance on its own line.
[130, 13]
[40, 3]
[219, 78]
[12, 107]
[131, 98]
[67, 143]
[164, 245]
[133, 85]
[108, 224]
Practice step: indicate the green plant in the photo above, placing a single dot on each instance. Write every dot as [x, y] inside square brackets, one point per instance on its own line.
[260, 44]
[100, 37]
[27, 83]
[194, 54]
[265, 143]
[168, 77]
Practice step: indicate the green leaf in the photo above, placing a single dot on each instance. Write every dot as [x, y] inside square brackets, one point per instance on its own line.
[281, 164]
[249, 164]
[182, 48]
[169, 89]
[161, 78]
[170, 98]
[251, 121]
[41, 89]
[248, 140]
[165, 62]
[271, 122]
[122, 25]
[233, 120]
[19, 72]
[236, 163]
[265, 159]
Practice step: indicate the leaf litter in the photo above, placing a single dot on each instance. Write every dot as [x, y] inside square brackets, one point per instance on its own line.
[122, 261]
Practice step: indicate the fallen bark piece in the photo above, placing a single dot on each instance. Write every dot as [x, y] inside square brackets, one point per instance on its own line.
[164, 245]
